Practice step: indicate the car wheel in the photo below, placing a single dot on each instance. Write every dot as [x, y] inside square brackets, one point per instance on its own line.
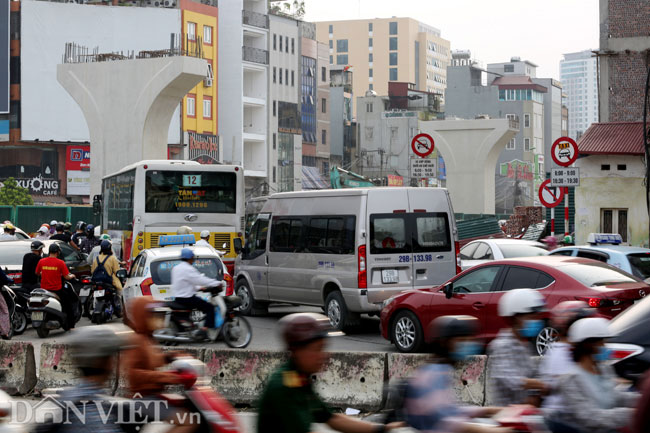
[545, 339]
[249, 306]
[337, 312]
[406, 332]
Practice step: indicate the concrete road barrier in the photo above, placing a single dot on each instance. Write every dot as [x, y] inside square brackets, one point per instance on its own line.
[240, 375]
[17, 367]
[470, 377]
[56, 368]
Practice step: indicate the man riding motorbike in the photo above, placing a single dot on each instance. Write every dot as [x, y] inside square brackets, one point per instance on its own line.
[52, 270]
[186, 281]
[90, 241]
[30, 261]
[77, 238]
[60, 234]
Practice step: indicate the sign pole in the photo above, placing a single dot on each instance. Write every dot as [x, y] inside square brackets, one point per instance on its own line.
[566, 211]
[552, 221]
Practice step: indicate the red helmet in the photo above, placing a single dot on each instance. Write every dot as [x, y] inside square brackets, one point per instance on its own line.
[567, 312]
[299, 329]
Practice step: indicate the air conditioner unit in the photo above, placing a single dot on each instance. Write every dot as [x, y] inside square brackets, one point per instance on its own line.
[207, 82]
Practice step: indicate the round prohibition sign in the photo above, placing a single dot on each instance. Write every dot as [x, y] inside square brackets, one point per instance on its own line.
[550, 197]
[564, 151]
[422, 145]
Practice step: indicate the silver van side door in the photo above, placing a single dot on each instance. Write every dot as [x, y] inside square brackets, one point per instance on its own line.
[255, 256]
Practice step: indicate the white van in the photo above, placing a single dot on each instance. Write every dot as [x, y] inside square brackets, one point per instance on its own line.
[347, 250]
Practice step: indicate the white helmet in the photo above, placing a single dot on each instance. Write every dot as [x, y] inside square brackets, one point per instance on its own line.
[205, 234]
[184, 230]
[592, 327]
[521, 301]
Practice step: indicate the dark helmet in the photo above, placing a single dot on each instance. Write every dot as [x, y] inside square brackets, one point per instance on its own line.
[105, 247]
[60, 227]
[54, 248]
[37, 245]
[445, 327]
[80, 226]
[67, 226]
[299, 329]
[90, 230]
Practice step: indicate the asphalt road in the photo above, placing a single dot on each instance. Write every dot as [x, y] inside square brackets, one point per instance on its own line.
[366, 338]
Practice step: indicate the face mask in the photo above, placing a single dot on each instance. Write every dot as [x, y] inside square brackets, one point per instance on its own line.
[603, 354]
[530, 328]
[464, 349]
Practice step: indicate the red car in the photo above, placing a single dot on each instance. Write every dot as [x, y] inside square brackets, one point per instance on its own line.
[476, 292]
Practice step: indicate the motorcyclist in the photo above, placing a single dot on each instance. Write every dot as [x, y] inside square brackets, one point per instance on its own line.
[512, 370]
[558, 360]
[9, 233]
[60, 234]
[30, 262]
[205, 239]
[96, 250]
[289, 403]
[109, 262]
[43, 233]
[429, 401]
[53, 225]
[592, 403]
[144, 363]
[186, 281]
[79, 235]
[90, 241]
[68, 227]
[52, 270]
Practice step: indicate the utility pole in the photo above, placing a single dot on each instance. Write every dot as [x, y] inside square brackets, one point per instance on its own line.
[646, 141]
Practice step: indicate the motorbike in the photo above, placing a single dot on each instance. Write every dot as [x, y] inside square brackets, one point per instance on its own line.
[184, 326]
[106, 303]
[86, 297]
[21, 316]
[46, 310]
[9, 303]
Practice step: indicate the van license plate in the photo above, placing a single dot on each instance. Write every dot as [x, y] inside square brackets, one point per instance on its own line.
[99, 293]
[37, 315]
[84, 292]
[389, 276]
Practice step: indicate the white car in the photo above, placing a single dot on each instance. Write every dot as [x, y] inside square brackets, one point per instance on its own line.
[150, 274]
[485, 250]
[20, 235]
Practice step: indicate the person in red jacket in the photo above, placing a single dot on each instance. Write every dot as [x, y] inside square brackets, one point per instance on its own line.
[53, 271]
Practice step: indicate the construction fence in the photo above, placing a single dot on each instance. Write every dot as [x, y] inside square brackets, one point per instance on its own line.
[30, 218]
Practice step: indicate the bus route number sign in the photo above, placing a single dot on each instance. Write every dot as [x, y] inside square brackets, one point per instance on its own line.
[191, 180]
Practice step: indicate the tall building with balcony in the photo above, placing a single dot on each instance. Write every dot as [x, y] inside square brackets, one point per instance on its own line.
[579, 76]
[340, 108]
[199, 117]
[243, 87]
[388, 49]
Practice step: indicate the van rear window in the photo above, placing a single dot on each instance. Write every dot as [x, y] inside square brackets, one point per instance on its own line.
[409, 233]
[431, 233]
[389, 234]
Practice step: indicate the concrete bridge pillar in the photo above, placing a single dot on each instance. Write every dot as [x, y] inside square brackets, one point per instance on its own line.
[128, 106]
[470, 149]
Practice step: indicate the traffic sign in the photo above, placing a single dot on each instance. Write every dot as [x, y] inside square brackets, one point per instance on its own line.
[569, 176]
[564, 151]
[549, 196]
[422, 145]
[423, 167]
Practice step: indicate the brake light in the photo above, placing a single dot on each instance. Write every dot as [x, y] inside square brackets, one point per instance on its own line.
[231, 267]
[458, 268]
[85, 281]
[363, 276]
[621, 351]
[145, 287]
[17, 277]
[594, 302]
[230, 285]
[621, 354]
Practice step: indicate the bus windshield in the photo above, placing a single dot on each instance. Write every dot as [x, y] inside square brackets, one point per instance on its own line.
[190, 191]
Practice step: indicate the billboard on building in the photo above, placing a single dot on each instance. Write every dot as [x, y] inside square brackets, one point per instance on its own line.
[48, 112]
[203, 148]
[77, 166]
[4, 56]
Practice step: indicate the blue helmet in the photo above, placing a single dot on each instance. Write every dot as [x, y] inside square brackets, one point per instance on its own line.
[187, 254]
[105, 246]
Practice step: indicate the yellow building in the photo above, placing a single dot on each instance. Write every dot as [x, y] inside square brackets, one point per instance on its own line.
[199, 117]
[388, 49]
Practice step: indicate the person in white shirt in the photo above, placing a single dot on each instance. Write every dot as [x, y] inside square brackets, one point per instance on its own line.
[205, 239]
[9, 233]
[186, 281]
[43, 234]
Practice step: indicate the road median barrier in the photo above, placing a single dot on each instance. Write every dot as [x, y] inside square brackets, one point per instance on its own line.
[17, 367]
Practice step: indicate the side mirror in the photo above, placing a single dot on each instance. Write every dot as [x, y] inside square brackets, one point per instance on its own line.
[448, 290]
[97, 205]
[237, 245]
[121, 274]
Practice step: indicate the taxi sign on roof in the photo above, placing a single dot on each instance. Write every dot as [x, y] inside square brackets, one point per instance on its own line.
[176, 240]
[605, 238]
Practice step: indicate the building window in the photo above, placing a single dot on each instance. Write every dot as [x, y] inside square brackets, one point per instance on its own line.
[280, 75]
[191, 31]
[392, 28]
[526, 144]
[508, 68]
[323, 136]
[392, 72]
[274, 109]
[331, 44]
[369, 27]
[331, 60]
[512, 145]
[331, 29]
[191, 106]
[368, 107]
[280, 42]
[370, 58]
[207, 107]
[207, 35]
[275, 44]
[323, 102]
[274, 74]
[370, 86]
[621, 167]
[370, 73]
[292, 79]
[274, 172]
[370, 42]
[323, 73]
[274, 138]
[342, 46]
[286, 44]
[392, 44]
[342, 59]
[614, 221]
[392, 59]
[286, 77]
[293, 46]
[526, 120]
[605, 167]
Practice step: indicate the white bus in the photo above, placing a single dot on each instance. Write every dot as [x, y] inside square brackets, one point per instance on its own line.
[148, 199]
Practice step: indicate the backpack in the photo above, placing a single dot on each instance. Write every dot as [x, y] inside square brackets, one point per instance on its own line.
[100, 275]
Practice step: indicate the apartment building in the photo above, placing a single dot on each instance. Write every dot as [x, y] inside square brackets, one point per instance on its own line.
[579, 76]
[388, 49]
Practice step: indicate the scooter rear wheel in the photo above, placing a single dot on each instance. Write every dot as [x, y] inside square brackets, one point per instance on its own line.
[237, 332]
[42, 330]
[19, 322]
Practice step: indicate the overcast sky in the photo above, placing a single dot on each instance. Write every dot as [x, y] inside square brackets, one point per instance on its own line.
[536, 30]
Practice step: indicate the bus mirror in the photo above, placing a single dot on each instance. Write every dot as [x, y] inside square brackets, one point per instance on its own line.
[97, 205]
[237, 245]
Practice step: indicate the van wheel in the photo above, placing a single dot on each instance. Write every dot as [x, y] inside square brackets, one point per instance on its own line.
[406, 332]
[337, 312]
[249, 306]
